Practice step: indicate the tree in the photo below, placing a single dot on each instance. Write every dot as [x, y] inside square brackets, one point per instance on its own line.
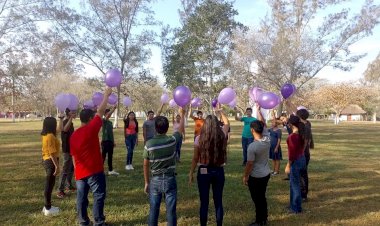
[106, 33]
[372, 79]
[199, 54]
[338, 96]
[289, 45]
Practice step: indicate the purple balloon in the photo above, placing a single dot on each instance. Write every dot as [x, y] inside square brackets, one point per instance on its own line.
[254, 93]
[165, 98]
[268, 100]
[112, 99]
[97, 98]
[74, 102]
[226, 95]
[214, 102]
[127, 101]
[88, 104]
[172, 103]
[62, 101]
[182, 95]
[196, 102]
[287, 90]
[113, 77]
[233, 103]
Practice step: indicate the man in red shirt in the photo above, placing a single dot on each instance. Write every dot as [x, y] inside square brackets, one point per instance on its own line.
[88, 163]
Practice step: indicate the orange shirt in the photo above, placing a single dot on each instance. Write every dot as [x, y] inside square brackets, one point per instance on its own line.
[198, 125]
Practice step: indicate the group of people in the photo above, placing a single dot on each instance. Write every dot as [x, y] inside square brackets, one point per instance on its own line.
[161, 153]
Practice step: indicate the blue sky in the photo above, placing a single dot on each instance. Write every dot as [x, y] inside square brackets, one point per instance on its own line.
[250, 13]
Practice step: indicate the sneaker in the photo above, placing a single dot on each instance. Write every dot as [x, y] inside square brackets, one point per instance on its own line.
[274, 173]
[131, 167]
[71, 189]
[304, 199]
[127, 167]
[113, 173]
[50, 212]
[61, 194]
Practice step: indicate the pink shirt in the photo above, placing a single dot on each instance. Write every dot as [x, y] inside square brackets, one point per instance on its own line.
[131, 128]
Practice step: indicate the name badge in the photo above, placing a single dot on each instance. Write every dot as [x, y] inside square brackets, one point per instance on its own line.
[203, 170]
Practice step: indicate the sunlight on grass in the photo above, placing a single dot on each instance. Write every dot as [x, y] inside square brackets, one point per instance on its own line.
[344, 179]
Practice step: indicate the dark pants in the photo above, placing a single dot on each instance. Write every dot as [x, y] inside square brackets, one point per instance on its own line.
[178, 148]
[245, 142]
[67, 172]
[258, 188]
[213, 177]
[130, 142]
[50, 181]
[305, 177]
[107, 148]
[97, 184]
[163, 186]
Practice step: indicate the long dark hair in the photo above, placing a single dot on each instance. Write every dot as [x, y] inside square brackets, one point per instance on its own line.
[213, 142]
[126, 121]
[49, 126]
[302, 131]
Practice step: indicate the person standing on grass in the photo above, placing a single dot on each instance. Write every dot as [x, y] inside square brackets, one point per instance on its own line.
[176, 128]
[50, 157]
[257, 172]
[198, 122]
[296, 146]
[160, 162]
[67, 130]
[131, 131]
[149, 125]
[303, 114]
[275, 152]
[108, 142]
[210, 154]
[246, 137]
[88, 163]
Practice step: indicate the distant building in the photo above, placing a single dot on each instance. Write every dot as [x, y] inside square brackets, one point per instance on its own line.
[353, 112]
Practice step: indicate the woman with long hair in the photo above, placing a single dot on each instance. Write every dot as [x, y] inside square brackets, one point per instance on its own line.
[210, 154]
[296, 146]
[50, 155]
[131, 130]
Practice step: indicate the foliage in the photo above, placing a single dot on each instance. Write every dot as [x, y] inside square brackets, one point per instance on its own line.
[290, 46]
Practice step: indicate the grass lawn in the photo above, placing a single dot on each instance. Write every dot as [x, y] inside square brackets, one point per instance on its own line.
[344, 179]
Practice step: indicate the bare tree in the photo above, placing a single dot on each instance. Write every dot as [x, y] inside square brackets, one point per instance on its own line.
[106, 34]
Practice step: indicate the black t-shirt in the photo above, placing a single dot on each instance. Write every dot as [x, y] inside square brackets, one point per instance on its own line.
[65, 137]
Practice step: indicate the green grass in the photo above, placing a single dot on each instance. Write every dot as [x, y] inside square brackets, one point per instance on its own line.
[344, 182]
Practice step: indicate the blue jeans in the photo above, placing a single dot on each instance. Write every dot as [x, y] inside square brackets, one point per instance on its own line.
[215, 177]
[245, 142]
[295, 184]
[97, 184]
[178, 148]
[158, 186]
[130, 142]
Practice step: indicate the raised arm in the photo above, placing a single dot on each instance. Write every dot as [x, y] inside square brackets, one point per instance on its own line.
[237, 118]
[226, 122]
[259, 114]
[103, 105]
[159, 111]
[109, 114]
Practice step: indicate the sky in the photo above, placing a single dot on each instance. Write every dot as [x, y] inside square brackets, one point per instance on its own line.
[250, 14]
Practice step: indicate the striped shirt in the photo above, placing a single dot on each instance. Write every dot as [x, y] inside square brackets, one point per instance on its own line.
[160, 151]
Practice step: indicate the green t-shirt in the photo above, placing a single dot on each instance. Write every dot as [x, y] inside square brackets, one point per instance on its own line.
[107, 131]
[247, 126]
[160, 151]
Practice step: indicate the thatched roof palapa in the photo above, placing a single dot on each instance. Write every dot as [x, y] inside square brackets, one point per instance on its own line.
[353, 109]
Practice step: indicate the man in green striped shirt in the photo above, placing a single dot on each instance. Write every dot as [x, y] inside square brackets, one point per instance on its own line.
[160, 162]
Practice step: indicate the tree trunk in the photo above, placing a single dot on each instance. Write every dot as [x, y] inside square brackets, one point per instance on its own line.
[116, 121]
[374, 117]
[13, 100]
